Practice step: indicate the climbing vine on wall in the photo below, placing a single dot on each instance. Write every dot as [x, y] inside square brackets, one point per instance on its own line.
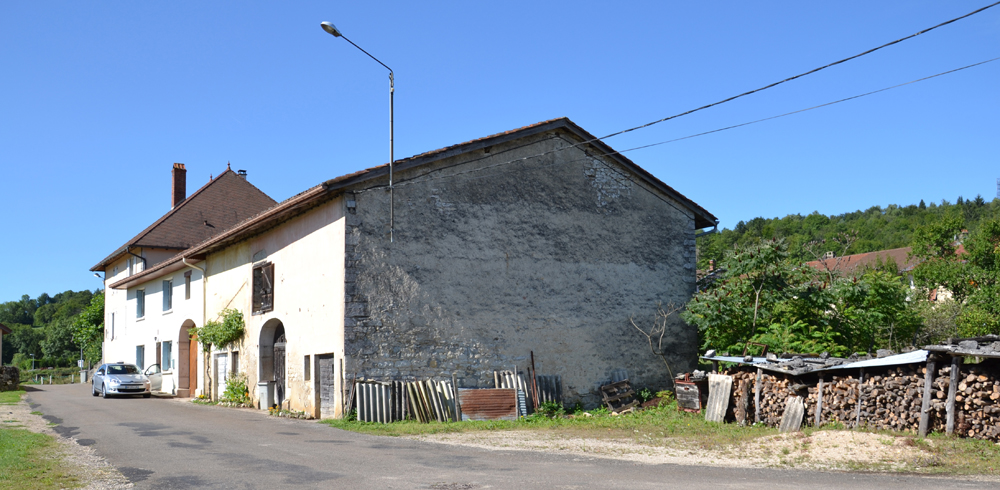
[221, 333]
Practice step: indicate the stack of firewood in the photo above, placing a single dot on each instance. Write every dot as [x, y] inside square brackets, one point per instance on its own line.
[889, 399]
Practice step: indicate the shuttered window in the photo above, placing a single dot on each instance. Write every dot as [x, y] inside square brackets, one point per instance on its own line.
[168, 295]
[263, 288]
[140, 303]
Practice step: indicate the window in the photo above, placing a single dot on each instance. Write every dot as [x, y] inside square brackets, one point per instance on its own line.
[168, 295]
[140, 356]
[112, 326]
[187, 285]
[263, 288]
[235, 362]
[140, 303]
[167, 351]
[307, 371]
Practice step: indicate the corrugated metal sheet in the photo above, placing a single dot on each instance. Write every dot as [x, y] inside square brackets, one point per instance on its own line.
[488, 404]
[549, 388]
[912, 357]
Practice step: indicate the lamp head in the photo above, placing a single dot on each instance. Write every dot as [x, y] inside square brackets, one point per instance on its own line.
[332, 29]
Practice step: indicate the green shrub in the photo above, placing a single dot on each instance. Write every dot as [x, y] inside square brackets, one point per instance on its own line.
[236, 389]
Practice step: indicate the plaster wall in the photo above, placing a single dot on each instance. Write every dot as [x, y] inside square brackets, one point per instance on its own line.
[308, 256]
[156, 326]
[492, 260]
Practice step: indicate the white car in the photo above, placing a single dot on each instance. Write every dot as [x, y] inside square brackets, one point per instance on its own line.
[118, 378]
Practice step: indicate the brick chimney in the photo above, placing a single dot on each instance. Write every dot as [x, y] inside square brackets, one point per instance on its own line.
[178, 185]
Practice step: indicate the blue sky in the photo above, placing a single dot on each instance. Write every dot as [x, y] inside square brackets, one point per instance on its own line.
[100, 99]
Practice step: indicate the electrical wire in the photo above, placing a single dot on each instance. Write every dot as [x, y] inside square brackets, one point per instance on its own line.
[421, 178]
[588, 141]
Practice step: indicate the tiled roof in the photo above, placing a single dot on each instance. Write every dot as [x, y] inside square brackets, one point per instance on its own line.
[223, 202]
[851, 263]
[267, 218]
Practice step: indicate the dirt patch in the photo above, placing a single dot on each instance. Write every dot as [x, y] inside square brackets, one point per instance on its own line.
[91, 470]
[826, 449]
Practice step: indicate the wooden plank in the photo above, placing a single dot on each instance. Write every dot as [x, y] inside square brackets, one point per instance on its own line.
[791, 420]
[756, 396]
[857, 413]
[956, 367]
[619, 396]
[719, 388]
[925, 405]
[819, 402]
[744, 405]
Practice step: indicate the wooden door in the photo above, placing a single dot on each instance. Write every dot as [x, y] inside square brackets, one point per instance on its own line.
[221, 370]
[327, 383]
[279, 370]
[193, 364]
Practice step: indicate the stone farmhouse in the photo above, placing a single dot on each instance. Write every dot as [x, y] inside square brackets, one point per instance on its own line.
[539, 240]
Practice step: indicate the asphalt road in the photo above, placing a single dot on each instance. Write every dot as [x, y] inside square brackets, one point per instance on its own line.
[162, 444]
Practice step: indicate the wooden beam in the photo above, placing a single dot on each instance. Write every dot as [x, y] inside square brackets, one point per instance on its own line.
[756, 396]
[819, 401]
[925, 405]
[857, 414]
[956, 365]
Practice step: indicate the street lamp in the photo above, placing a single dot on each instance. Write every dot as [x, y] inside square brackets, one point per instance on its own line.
[332, 29]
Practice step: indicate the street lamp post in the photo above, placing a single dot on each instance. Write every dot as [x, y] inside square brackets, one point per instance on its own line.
[330, 28]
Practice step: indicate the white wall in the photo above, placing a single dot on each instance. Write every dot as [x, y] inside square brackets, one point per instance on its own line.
[308, 256]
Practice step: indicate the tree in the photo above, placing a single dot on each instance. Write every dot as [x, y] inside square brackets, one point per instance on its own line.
[752, 294]
[88, 329]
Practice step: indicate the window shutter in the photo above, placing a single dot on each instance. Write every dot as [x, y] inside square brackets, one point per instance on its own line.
[258, 290]
[268, 298]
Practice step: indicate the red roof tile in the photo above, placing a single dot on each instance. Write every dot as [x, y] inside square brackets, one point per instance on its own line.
[851, 263]
[223, 202]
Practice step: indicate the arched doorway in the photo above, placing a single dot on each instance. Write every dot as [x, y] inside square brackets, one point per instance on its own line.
[187, 361]
[272, 358]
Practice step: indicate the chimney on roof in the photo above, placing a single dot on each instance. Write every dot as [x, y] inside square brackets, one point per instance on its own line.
[178, 185]
[242, 173]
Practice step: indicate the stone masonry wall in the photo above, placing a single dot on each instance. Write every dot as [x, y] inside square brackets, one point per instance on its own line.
[494, 260]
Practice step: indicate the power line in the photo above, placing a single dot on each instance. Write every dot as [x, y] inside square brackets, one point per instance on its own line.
[714, 103]
[807, 109]
[480, 169]
[814, 70]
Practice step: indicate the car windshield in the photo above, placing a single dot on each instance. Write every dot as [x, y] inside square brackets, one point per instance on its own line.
[123, 369]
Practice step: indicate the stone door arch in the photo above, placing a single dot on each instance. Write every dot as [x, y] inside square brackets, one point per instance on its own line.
[271, 351]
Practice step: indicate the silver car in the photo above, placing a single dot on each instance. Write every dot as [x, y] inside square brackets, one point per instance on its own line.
[118, 378]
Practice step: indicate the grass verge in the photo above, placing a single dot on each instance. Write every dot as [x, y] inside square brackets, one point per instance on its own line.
[10, 397]
[666, 426]
[654, 426]
[29, 460]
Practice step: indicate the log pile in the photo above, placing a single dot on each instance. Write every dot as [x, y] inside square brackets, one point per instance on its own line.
[889, 398]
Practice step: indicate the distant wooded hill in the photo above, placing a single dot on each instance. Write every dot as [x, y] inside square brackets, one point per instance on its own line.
[42, 327]
[876, 228]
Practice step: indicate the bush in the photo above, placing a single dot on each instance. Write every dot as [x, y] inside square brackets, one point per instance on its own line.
[236, 389]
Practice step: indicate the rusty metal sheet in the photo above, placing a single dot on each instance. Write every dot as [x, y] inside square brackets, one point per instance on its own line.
[488, 404]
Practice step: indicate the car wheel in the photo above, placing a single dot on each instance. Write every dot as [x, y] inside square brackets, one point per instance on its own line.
[146, 395]
[104, 391]
[93, 389]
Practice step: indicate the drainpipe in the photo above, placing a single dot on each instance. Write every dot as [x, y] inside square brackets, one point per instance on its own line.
[204, 313]
[143, 259]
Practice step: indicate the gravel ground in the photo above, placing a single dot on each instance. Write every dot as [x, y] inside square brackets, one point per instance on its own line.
[823, 450]
[92, 471]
